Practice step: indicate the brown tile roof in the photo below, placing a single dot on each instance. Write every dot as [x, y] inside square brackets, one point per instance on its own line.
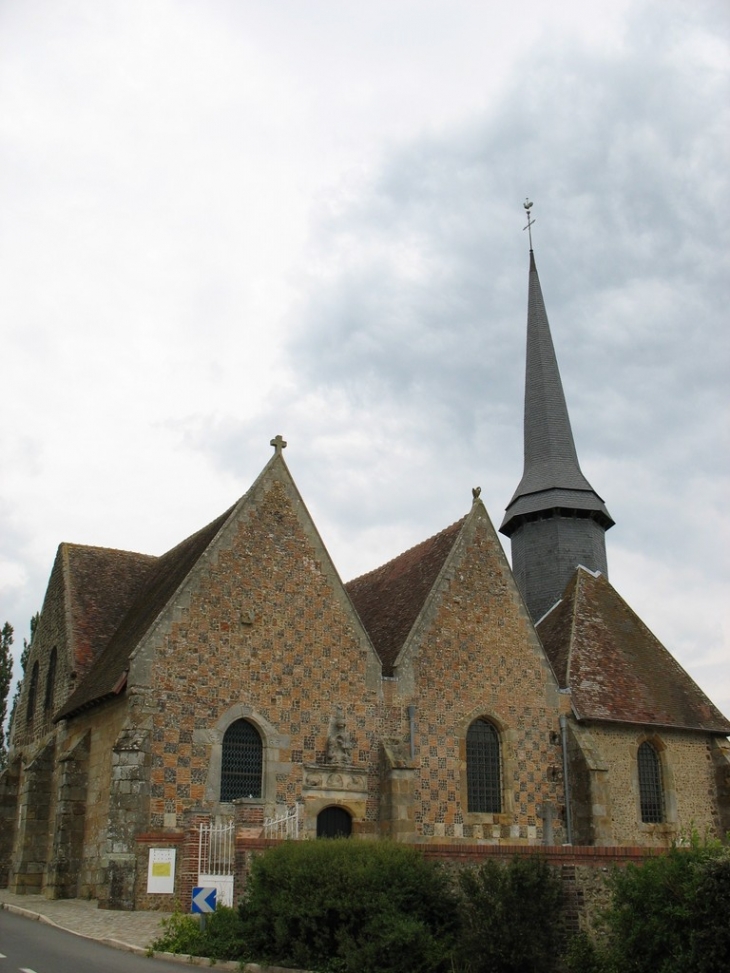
[101, 584]
[106, 676]
[390, 598]
[616, 669]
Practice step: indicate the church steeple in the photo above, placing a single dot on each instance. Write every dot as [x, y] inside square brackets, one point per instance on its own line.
[555, 520]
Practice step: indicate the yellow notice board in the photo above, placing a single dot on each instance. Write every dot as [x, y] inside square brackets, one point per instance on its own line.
[161, 871]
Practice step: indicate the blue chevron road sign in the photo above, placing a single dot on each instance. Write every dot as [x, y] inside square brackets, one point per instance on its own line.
[203, 899]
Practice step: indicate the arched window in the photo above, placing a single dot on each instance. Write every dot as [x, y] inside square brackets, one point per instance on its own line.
[483, 770]
[32, 692]
[242, 761]
[50, 680]
[334, 822]
[651, 792]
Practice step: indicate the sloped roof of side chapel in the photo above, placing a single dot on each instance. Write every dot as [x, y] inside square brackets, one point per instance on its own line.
[616, 669]
[390, 598]
[99, 584]
[163, 579]
[159, 582]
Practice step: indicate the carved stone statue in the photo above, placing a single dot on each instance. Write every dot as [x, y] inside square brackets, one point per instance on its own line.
[339, 740]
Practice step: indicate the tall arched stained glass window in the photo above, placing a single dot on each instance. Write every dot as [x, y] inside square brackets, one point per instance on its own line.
[651, 792]
[242, 761]
[483, 768]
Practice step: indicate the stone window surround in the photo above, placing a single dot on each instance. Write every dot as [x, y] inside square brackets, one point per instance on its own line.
[670, 823]
[50, 680]
[275, 746]
[32, 702]
[508, 765]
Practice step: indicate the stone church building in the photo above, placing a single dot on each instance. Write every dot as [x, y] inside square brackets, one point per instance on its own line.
[442, 698]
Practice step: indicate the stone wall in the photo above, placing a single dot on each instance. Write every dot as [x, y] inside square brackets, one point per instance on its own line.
[688, 779]
[67, 860]
[9, 787]
[36, 801]
[50, 633]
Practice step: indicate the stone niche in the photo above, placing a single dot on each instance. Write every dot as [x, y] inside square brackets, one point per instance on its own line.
[334, 784]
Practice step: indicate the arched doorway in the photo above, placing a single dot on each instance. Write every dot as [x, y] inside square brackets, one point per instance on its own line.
[334, 822]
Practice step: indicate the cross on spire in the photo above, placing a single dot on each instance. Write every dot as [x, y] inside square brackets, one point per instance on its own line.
[279, 443]
[528, 206]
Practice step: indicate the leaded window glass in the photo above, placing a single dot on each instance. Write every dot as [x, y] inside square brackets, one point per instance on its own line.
[650, 785]
[242, 761]
[483, 768]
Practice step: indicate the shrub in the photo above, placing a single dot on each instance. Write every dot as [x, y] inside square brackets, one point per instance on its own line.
[583, 955]
[670, 914]
[511, 917]
[221, 937]
[350, 906]
[710, 937]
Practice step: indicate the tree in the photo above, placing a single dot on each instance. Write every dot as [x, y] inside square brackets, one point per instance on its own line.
[23, 663]
[6, 675]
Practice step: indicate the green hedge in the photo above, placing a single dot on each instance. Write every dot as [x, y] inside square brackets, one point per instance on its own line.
[511, 917]
[350, 907]
[346, 906]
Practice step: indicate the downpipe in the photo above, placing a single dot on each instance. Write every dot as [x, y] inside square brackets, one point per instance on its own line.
[412, 730]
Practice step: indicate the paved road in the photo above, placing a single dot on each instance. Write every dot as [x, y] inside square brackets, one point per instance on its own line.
[28, 946]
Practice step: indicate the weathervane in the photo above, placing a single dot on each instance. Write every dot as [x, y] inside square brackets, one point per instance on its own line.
[528, 206]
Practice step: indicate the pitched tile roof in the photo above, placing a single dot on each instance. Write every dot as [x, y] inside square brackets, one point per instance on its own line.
[390, 598]
[616, 669]
[160, 583]
[100, 583]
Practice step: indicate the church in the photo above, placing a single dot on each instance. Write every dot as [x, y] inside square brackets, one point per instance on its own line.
[444, 698]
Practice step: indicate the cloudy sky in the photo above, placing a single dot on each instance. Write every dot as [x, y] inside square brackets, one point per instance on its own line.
[225, 219]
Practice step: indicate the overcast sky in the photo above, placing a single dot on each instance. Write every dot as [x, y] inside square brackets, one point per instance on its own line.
[223, 219]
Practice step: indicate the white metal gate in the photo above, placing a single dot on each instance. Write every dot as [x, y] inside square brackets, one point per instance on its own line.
[217, 858]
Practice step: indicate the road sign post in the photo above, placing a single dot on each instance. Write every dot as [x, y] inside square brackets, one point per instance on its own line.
[203, 899]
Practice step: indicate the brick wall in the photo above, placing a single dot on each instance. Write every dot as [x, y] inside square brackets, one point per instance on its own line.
[475, 654]
[262, 631]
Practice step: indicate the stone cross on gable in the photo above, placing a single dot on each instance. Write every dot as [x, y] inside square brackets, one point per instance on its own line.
[279, 443]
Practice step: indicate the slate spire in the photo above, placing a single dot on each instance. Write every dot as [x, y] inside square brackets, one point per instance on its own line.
[555, 519]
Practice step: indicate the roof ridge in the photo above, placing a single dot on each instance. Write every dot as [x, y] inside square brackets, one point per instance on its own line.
[409, 550]
[72, 545]
[573, 620]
